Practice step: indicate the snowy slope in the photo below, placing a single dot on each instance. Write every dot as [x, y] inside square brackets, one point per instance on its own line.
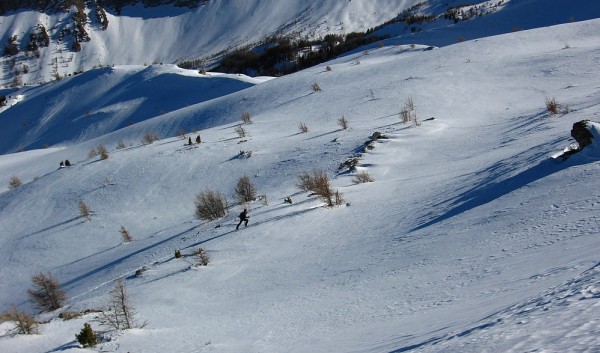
[472, 237]
[46, 116]
[103, 100]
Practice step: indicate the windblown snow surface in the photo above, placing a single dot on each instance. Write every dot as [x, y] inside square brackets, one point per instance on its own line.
[471, 238]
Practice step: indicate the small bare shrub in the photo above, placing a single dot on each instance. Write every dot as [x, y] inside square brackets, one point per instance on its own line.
[362, 177]
[338, 199]
[178, 254]
[210, 205]
[120, 145]
[202, 257]
[149, 138]
[240, 131]
[315, 87]
[14, 182]
[119, 315]
[125, 236]
[327, 68]
[181, 134]
[407, 113]
[305, 182]
[244, 190]
[92, 153]
[102, 152]
[46, 294]
[318, 183]
[552, 105]
[371, 95]
[246, 118]
[84, 210]
[25, 324]
[343, 122]
[303, 128]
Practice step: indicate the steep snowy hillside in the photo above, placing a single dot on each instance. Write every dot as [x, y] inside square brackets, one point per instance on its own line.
[471, 237]
[104, 100]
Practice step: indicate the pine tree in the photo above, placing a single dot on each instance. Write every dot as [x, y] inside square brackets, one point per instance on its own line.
[87, 337]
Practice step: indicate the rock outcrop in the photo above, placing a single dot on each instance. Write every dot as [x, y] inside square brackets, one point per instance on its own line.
[582, 134]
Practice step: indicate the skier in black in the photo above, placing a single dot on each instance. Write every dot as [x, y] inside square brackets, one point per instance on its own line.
[243, 218]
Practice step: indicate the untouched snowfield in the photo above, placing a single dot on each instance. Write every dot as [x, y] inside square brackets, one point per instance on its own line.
[472, 237]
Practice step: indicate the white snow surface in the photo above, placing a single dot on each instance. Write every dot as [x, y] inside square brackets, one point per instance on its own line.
[472, 237]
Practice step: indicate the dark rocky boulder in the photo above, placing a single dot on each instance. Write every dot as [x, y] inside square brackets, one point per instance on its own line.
[582, 134]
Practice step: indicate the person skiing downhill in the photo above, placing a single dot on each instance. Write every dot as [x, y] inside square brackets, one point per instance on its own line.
[243, 218]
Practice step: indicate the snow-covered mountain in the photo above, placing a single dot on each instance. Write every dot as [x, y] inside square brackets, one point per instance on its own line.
[49, 44]
[472, 236]
[169, 34]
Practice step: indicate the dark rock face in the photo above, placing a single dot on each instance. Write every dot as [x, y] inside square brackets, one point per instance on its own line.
[49, 6]
[40, 5]
[581, 134]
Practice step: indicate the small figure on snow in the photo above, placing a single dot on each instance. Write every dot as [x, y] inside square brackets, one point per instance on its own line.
[190, 141]
[243, 218]
[198, 139]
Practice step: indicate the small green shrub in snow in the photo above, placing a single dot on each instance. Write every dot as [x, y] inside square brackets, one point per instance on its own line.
[87, 337]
